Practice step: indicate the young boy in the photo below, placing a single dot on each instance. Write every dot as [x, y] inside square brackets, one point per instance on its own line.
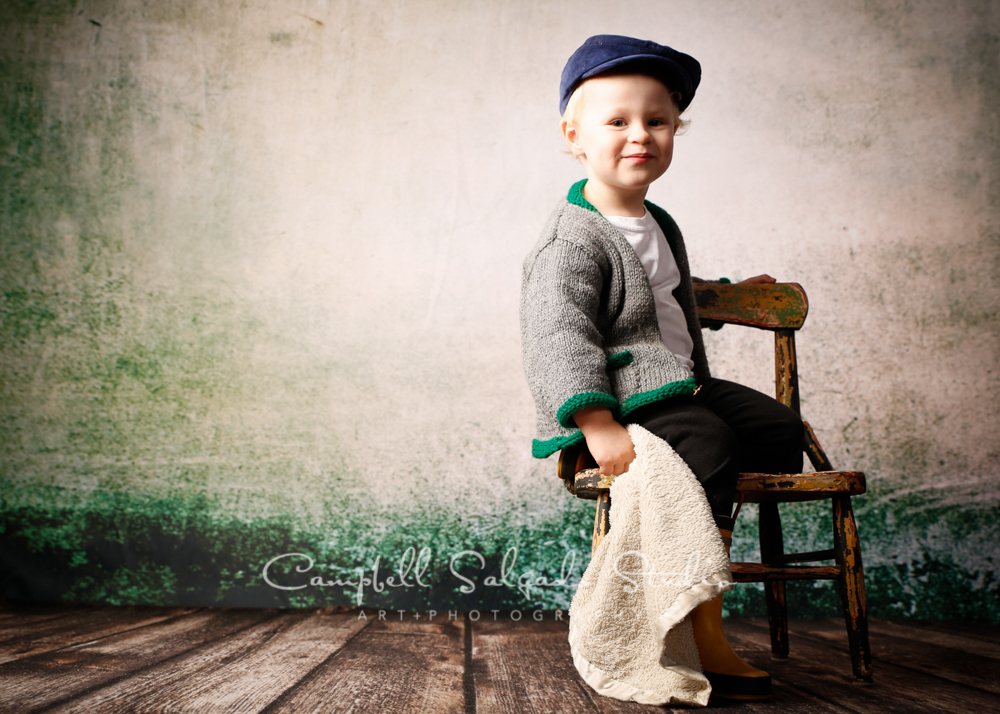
[610, 331]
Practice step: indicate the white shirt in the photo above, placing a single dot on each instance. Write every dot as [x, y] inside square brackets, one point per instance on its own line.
[646, 237]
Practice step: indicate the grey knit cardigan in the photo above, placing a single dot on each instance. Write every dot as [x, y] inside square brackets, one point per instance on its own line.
[589, 333]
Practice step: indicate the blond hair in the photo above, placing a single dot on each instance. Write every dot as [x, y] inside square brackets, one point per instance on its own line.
[574, 107]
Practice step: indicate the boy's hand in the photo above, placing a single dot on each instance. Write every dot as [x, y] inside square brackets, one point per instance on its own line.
[608, 441]
[758, 280]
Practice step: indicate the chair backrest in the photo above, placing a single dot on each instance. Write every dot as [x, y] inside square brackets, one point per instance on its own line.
[767, 307]
[780, 307]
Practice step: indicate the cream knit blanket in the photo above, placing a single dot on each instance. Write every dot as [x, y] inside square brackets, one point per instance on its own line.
[629, 632]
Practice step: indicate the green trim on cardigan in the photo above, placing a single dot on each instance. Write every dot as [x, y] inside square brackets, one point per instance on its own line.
[543, 449]
[575, 197]
[585, 399]
[620, 359]
[682, 388]
[666, 223]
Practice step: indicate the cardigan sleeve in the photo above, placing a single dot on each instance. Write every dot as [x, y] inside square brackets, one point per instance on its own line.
[561, 331]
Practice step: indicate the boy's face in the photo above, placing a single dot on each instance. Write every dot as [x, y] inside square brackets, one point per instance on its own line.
[624, 131]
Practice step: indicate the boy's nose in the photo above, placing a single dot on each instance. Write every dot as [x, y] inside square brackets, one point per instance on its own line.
[639, 135]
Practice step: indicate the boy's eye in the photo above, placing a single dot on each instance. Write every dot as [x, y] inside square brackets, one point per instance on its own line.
[617, 122]
[656, 122]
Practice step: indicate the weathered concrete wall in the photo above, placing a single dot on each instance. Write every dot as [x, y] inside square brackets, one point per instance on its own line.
[260, 268]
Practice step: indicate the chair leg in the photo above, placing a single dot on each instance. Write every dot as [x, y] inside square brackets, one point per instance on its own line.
[851, 583]
[771, 545]
[602, 519]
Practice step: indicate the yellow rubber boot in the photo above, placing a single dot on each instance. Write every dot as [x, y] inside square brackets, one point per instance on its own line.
[729, 675]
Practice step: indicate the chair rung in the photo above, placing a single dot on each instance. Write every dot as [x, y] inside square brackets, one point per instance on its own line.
[757, 572]
[810, 557]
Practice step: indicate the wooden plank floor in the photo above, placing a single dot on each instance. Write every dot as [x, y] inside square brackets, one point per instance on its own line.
[56, 658]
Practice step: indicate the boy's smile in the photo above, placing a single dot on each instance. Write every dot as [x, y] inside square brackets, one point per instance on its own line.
[624, 136]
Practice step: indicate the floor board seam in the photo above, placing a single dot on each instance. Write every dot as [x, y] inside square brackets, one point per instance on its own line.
[811, 693]
[588, 693]
[881, 626]
[98, 639]
[137, 672]
[311, 674]
[936, 676]
[941, 628]
[882, 660]
[468, 674]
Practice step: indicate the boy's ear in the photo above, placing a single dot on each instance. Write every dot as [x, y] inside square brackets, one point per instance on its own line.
[572, 137]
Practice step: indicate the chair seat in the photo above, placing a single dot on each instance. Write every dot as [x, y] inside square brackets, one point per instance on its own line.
[770, 488]
[756, 488]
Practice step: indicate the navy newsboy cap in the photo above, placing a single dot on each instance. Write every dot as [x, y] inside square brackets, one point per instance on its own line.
[601, 53]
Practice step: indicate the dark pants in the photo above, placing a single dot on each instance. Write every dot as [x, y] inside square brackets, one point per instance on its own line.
[726, 429]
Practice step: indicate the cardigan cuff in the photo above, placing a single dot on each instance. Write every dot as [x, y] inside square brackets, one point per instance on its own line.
[585, 399]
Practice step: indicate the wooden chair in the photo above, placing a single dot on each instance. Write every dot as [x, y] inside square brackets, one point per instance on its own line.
[782, 309]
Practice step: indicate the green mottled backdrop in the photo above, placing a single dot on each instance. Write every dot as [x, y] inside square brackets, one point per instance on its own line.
[260, 267]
